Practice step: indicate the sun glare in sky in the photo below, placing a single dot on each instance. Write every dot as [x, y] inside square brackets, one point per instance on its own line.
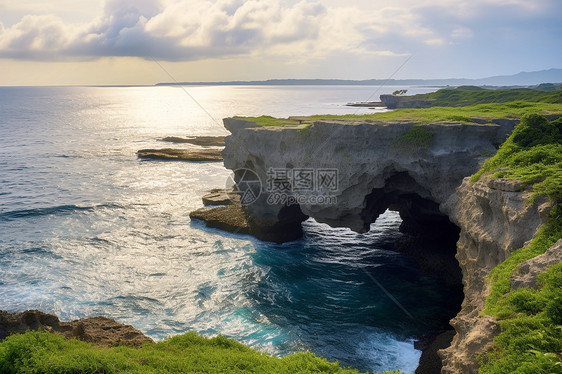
[118, 41]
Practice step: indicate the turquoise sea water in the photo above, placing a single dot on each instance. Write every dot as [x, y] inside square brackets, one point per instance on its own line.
[88, 229]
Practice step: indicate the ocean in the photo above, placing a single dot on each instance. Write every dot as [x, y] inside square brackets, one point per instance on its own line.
[87, 229]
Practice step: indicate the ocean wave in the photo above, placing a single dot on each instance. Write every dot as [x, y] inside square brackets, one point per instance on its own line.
[54, 210]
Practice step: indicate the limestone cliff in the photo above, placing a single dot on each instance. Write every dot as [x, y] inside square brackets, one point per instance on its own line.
[378, 167]
[420, 172]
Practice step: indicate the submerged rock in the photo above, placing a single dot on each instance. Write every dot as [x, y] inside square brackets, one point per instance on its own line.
[181, 154]
[369, 104]
[102, 331]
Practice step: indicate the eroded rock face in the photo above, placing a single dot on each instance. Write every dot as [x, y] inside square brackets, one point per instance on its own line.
[495, 219]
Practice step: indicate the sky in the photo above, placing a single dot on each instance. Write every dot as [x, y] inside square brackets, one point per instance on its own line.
[62, 42]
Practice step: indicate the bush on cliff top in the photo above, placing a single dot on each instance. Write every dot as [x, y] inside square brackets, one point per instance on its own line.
[531, 333]
[42, 352]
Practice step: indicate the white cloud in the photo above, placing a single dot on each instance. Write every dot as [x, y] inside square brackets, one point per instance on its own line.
[183, 30]
[195, 29]
[41, 36]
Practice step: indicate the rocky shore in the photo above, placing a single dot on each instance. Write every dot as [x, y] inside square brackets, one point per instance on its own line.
[223, 210]
[102, 331]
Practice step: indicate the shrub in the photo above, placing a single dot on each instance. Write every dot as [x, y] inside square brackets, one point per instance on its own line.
[553, 310]
[527, 301]
[536, 130]
[416, 138]
[532, 154]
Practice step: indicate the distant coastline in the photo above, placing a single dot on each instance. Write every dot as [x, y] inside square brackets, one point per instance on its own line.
[522, 79]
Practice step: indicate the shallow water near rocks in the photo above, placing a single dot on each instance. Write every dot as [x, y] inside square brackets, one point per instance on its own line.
[86, 229]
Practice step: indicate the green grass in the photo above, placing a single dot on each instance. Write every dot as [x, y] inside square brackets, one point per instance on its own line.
[531, 320]
[532, 154]
[514, 109]
[471, 95]
[531, 329]
[450, 105]
[272, 121]
[42, 352]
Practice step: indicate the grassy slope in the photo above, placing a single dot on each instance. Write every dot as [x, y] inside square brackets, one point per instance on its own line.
[470, 95]
[42, 352]
[530, 320]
